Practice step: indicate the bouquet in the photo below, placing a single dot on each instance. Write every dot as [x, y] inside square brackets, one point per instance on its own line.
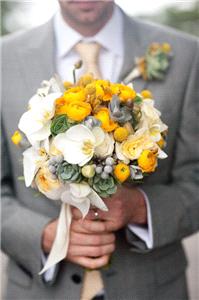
[83, 140]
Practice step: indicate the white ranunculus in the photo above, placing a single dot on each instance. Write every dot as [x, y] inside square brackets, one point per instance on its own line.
[35, 123]
[106, 148]
[151, 120]
[78, 143]
[120, 155]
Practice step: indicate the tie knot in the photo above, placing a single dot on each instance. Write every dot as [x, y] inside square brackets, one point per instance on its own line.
[89, 53]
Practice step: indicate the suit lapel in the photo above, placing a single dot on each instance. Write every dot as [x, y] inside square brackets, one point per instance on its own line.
[37, 60]
[136, 41]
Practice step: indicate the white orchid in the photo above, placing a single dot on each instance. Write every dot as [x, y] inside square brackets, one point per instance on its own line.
[106, 148]
[33, 159]
[82, 196]
[35, 123]
[78, 143]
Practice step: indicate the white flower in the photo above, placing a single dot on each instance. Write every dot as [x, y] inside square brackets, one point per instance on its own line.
[78, 143]
[35, 123]
[81, 195]
[33, 159]
[119, 153]
[106, 148]
[151, 120]
[51, 187]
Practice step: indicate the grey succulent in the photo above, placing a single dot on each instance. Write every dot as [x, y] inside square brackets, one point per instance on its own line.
[136, 172]
[69, 173]
[91, 122]
[104, 187]
[157, 64]
[119, 113]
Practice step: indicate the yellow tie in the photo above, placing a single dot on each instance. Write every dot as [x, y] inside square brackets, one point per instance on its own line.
[89, 53]
[92, 285]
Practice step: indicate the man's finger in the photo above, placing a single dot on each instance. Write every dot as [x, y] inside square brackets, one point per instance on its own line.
[91, 251]
[90, 263]
[76, 213]
[91, 239]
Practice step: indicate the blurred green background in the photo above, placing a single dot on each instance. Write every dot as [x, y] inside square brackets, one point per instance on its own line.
[15, 15]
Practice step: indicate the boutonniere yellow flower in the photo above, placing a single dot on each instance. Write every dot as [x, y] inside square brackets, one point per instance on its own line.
[153, 65]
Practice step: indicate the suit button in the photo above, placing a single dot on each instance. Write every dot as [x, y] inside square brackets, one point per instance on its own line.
[76, 278]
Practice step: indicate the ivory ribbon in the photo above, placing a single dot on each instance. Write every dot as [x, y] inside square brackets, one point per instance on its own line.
[82, 196]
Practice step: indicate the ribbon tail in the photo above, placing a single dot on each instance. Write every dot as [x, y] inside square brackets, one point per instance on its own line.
[61, 242]
[132, 75]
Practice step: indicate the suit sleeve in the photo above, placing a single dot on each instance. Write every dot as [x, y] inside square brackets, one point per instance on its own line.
[21, 227]
[175, 206]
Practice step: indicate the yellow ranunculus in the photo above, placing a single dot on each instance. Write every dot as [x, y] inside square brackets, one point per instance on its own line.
[148, 161]
[60, 106]
[78, 111]
[136, 143]
[16, 137]
[124, 92]
[74, 94]
[122, 172]
[107, 124]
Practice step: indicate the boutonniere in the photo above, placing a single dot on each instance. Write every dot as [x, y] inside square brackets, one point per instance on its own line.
[153, 65]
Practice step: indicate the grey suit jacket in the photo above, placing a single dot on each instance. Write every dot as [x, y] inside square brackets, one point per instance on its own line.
[135, 273]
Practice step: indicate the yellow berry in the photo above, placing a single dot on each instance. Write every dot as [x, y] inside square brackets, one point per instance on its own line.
[16, 137]
[146, 94]
[120, 134]
[166, 47]
[122, 172]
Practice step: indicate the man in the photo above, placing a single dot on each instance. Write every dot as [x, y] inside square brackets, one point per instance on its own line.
[143, 229]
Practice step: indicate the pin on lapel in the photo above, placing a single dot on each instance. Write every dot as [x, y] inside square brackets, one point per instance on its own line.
[153, 65]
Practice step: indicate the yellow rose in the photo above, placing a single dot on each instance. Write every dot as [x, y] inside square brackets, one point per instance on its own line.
[107, 124]
[74, 94]
[148, 161]
[78, 111]
[45, 182]
[135, 144]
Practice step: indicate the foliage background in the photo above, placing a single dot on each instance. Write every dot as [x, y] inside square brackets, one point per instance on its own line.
[14, 16]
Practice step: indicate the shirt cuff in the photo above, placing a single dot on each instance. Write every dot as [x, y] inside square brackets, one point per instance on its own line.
[50, 273]
[145, 234]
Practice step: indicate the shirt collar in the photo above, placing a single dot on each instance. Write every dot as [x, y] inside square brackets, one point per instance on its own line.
[66, 37]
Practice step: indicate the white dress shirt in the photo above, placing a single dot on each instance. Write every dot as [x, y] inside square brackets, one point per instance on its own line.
[110, 62]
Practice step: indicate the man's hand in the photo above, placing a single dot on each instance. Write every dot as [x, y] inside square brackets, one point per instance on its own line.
[125, 207]
[90, 248]
[48, 236]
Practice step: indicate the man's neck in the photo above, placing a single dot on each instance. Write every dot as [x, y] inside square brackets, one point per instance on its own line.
[88, 30]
